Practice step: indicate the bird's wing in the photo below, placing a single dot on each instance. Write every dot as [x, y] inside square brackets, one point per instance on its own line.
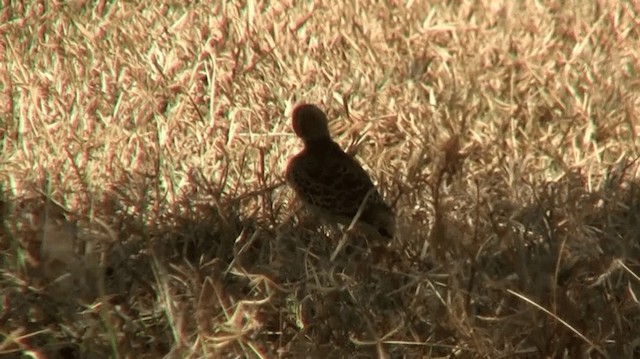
[332, 181]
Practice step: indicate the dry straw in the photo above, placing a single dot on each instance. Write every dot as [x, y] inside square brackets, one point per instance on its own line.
[144, 211]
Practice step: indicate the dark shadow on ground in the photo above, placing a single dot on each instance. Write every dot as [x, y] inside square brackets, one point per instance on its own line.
[233, 276]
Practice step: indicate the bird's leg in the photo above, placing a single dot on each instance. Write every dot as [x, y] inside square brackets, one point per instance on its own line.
[352, 226]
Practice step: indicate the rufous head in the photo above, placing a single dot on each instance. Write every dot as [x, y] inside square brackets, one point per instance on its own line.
[310, 123]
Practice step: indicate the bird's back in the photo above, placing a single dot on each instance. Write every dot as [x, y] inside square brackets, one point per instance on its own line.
[334, 184]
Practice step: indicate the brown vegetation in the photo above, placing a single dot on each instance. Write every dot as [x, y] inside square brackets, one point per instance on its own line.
[144, 211]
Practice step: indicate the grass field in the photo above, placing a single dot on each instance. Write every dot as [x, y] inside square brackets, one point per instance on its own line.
[145, 215]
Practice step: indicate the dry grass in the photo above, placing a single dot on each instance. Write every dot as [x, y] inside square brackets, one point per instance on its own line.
[141, 169]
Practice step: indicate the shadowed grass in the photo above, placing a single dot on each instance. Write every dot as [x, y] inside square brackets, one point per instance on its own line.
[144, 211]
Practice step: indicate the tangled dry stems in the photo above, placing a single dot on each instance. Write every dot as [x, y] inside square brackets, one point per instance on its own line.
[144, 212]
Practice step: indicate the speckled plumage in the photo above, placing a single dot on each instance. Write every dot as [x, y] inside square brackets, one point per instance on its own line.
[329, 181]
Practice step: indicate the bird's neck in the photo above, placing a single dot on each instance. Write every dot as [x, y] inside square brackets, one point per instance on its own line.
[319, 144]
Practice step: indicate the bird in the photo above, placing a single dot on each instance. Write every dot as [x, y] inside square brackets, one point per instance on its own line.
[331, 183]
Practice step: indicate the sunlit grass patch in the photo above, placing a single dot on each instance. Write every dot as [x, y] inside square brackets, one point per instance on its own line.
[144, 210]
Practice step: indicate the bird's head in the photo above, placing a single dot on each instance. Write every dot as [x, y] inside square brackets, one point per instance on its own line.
[310, 123]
